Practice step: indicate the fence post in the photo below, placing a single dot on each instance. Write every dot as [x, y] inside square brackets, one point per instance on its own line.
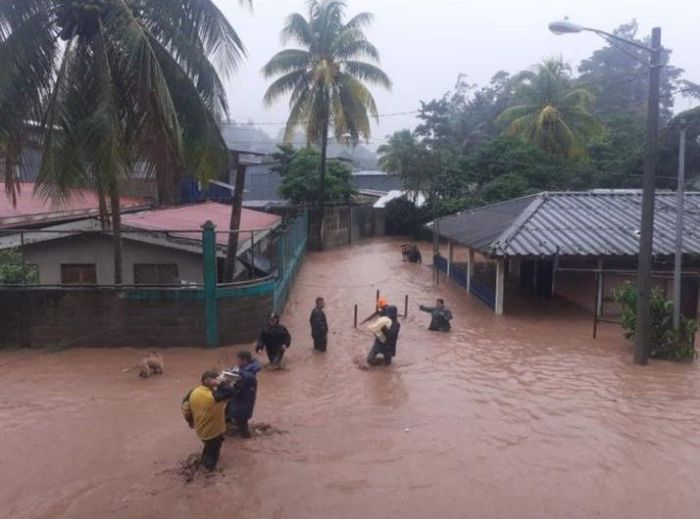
[211, 317]
[252, 254]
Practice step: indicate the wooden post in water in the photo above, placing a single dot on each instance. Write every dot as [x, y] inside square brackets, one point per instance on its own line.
[405, 306]
[355, 318]
[376, 299]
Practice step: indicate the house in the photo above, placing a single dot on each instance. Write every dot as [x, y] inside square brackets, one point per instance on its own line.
[160, 246]
[33, 210]
[578, 246]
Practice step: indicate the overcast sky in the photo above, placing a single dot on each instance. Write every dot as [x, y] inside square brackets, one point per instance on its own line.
[425, 44]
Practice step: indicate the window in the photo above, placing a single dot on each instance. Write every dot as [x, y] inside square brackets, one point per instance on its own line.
[156, 274]
[78, 274]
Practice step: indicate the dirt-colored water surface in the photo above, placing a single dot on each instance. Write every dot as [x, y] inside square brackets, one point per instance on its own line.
[518, 416]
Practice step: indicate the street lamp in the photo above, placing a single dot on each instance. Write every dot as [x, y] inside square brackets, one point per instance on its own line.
[646, 238]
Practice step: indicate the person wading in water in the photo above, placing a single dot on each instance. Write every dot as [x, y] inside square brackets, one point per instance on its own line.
[319, 325]
[390, 333]
[275, 340]
[440, 316]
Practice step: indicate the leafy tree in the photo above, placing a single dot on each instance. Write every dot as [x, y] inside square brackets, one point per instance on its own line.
[301, 182]
[550, 113]
[505, 187]
[283, 159]
[115, 84]
[405, 157]
[619, 75]
[668, 149]
[326, 77]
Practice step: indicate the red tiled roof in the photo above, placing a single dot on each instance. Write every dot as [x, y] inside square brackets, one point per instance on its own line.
[194, 216]
[31, 209]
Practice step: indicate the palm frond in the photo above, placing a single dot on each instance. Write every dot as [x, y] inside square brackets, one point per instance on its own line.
[367, 72]
[283, 85]
[297, 29]
[287, 61]
[182, 26]
[360, 21]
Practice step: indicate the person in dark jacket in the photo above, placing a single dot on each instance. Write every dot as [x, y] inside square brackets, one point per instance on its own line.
[387, 348]
[319, 325]
[440, 316]
[275, 339]
[239, 408]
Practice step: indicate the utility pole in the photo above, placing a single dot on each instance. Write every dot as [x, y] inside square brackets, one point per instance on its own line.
[646, 238]
[678, 263]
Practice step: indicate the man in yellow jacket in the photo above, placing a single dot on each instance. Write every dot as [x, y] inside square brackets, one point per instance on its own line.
[204, 409]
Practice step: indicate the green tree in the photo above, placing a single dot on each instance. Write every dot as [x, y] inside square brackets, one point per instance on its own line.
[302, 182]
[116, 85]
[326, 77]
[283, 159]
[404, 157]
[619, 76]
[550, 113]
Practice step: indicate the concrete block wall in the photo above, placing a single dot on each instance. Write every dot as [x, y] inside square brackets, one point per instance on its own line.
[242, 318]
[113, 318]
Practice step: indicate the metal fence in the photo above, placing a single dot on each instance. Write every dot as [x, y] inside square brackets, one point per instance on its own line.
[478, 288]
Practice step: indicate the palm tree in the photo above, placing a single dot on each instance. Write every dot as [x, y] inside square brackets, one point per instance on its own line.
[117, 86]
[326, 78]
[550, 113]
[404, 156]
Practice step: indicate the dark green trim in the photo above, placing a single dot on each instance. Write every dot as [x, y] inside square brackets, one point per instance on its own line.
[211, 308]
[266, 287]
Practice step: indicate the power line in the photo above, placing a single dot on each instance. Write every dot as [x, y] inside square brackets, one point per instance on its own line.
[284, 123]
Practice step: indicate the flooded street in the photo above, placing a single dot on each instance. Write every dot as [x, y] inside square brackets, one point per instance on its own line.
[513, 416]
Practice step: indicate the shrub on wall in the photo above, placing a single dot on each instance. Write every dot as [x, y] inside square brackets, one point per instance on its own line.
[13, 272]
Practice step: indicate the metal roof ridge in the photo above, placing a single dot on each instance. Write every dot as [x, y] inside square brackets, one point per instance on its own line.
[502, 241]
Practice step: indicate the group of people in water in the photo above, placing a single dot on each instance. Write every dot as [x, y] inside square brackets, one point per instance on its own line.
[228, 397]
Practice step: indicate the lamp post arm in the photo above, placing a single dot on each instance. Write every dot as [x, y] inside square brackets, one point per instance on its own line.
[605, 34]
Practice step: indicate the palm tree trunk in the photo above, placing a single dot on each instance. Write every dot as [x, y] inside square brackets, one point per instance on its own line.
[322, 181]
[116, 233]
[235, 223]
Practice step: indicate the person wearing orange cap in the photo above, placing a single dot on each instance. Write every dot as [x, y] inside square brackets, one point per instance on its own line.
[385, 342]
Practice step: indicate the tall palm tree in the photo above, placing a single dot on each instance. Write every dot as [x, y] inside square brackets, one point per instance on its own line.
[550, 113]
[117, 86]
[326, 77]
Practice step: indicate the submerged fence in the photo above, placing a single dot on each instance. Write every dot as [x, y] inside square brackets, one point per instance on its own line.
[156, 307]
[478, 288]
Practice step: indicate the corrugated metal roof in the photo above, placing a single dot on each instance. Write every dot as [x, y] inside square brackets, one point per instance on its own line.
[592, 223]
[32, 209]
[194, 216]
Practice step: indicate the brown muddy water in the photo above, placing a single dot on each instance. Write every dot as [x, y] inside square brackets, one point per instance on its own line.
[511, 417]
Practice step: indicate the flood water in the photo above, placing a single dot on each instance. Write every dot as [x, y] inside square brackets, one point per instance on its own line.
[522, 416]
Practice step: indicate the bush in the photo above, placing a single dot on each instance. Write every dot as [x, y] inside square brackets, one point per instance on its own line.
[301, 179]
[665, 342]
[403, 218]
[12, 272]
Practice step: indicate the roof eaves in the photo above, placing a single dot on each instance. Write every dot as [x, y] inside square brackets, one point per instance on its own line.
[500, 246]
